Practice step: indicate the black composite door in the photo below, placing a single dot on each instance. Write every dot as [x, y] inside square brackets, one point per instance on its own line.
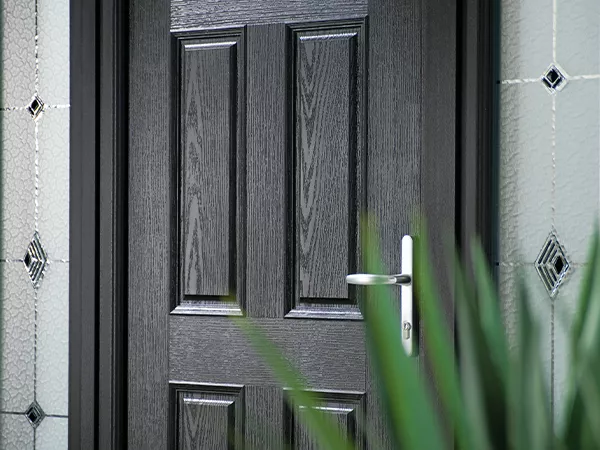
[259, 132]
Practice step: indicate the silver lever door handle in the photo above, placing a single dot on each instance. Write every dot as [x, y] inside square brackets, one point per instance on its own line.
[367, 279]
[403, 279]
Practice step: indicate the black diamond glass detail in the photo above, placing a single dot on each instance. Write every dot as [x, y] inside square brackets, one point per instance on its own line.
[559, 264]
[35, 414]
[35, 260]
[36, 107]
[553, 79]
[552, 264]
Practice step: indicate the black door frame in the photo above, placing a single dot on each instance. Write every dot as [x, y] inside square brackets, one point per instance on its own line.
[459, 66]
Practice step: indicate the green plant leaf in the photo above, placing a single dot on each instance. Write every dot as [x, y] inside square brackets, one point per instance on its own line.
[580, 428]
[531, 424]
[489, 311]
[440, 345]
[471, 378]
[591, 399]
[413, 421]
[500, 399]
[585, 296]
[488, 347]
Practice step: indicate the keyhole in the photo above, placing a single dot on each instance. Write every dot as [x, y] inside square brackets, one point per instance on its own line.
[406, 330]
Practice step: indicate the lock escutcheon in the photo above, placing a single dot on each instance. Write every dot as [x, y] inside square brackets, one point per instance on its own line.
[406, 327]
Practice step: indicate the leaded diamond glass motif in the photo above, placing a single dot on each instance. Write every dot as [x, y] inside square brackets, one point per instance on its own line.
[552, 264]
[36, 107]
[35, 414]
[35, 260]
[553, 79]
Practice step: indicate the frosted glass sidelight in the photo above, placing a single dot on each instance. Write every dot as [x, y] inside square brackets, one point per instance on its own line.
[34, 255]
[549, 163]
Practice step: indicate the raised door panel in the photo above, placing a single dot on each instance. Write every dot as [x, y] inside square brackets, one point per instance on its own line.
[344, 410]
[211, 172]
[207, 416]
[329, 353]
[328, 153]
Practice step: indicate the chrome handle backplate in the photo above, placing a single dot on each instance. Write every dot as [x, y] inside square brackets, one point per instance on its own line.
[405, 280]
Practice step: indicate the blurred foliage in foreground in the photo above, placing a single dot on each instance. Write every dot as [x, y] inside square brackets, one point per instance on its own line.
[492, 397]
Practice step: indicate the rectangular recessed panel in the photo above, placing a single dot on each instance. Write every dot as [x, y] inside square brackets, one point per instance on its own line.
[341, 419]
[210, 80]
[328, 353]
[343, 411]
[328, 102]
[205, 423]
[208, 144]
[206, 416]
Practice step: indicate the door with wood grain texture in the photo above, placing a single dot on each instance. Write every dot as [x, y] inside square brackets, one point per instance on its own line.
[259, 132]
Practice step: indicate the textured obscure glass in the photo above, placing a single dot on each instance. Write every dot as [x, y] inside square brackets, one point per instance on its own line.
[18, 331]
[526, 38]
[18, 52]
[549, 174]
[54, 182]
[526, 168]
[577, 35]
[18, 183]
[34, 250]
[53, 23]
[52, 434]
[53, 340]
[577, 164]
[16, 432]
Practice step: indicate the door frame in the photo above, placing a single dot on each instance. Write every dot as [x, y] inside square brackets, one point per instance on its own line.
[459, 66]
